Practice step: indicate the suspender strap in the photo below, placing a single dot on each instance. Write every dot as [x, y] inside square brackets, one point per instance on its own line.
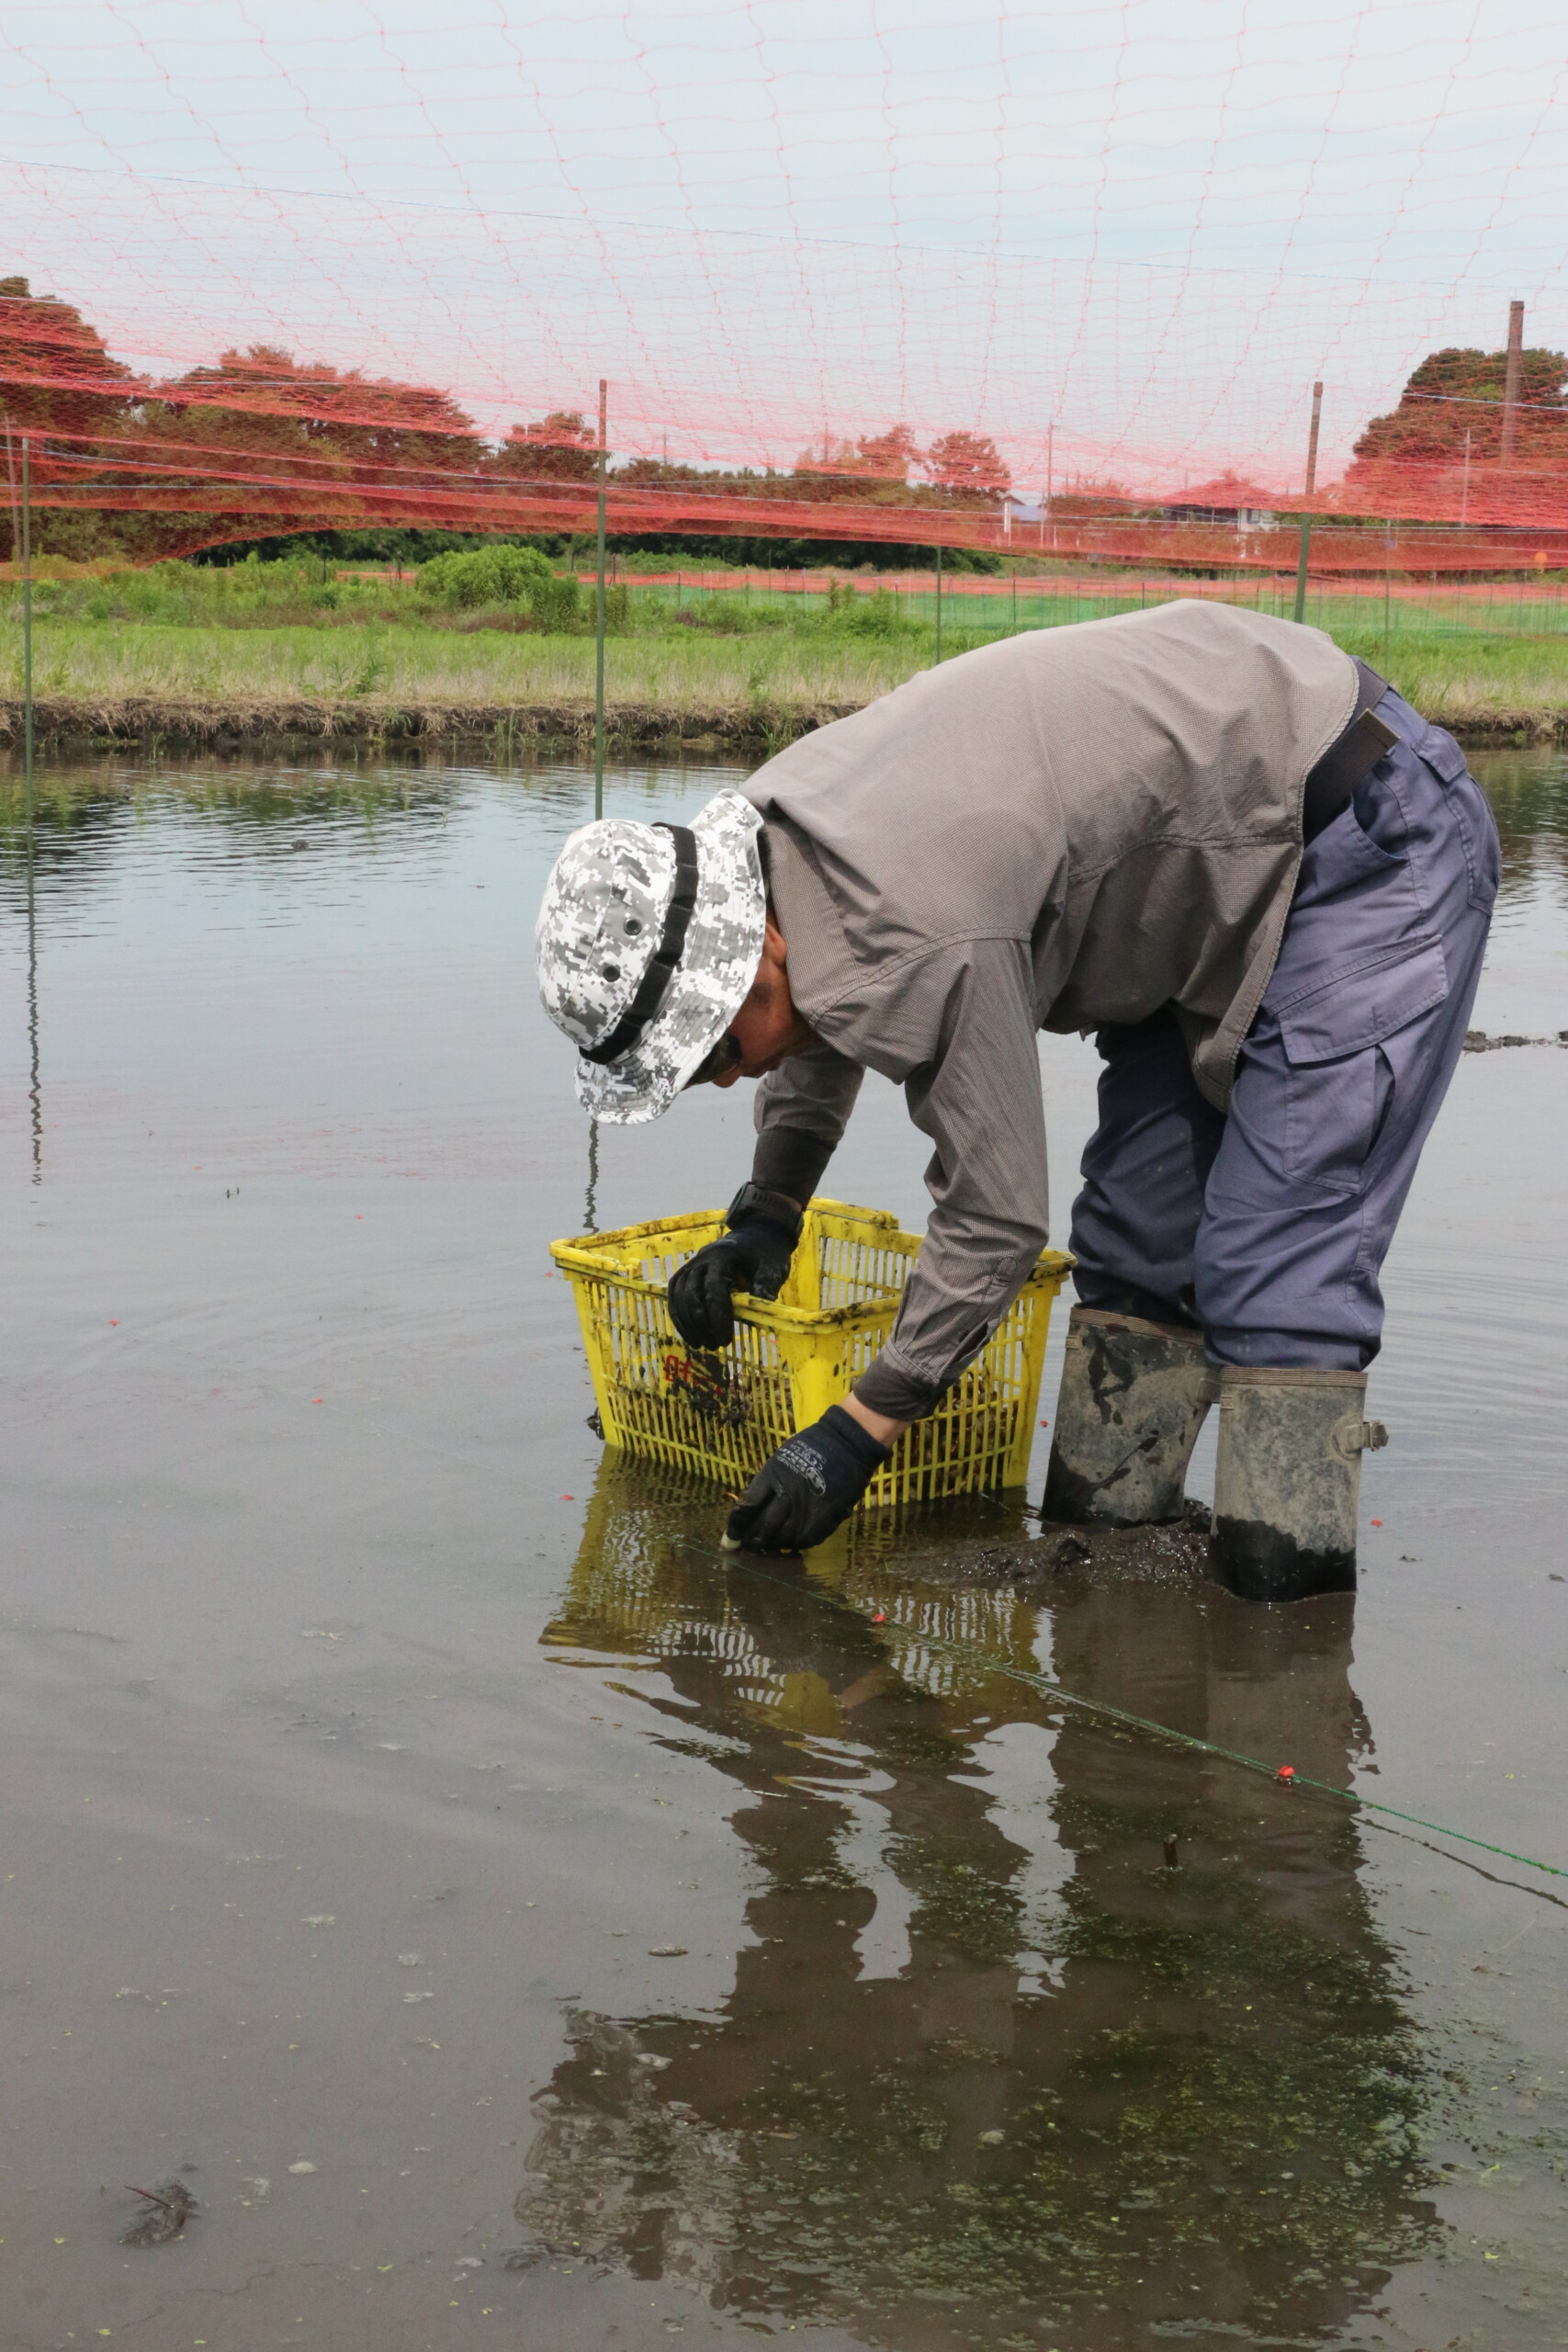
[654, 985]
[1353, 756]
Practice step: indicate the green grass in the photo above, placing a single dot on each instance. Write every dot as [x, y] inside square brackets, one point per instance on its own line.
[250, 638]
[1476, 683]
[684, 671]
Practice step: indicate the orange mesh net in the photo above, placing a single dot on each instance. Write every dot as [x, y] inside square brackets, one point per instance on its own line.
[1057, 282]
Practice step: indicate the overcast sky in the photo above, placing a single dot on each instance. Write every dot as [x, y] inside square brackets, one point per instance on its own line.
[1150, 225]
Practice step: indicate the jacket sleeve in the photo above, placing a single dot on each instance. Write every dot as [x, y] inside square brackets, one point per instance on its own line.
[802, 1110]
[979, 1098]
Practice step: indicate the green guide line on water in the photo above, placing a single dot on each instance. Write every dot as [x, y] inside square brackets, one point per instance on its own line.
[1284, 1774]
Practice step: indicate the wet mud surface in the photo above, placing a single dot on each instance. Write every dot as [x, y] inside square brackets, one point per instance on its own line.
[508, 1918]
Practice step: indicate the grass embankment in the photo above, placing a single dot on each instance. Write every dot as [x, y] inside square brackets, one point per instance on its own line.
[188, 654]
[189, 683]
[1497, 687]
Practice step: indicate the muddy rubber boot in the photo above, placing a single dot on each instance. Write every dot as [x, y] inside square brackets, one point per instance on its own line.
[1288, 1481]
[1132, 1400]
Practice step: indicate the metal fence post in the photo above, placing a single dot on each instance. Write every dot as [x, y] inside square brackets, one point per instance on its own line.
[939, 598]
[598, 622]
[28, 635]
[1307, 509]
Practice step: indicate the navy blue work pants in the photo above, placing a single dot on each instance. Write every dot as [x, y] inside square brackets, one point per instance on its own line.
[1267, 1226]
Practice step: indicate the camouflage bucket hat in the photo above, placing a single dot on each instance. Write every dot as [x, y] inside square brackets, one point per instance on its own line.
[648, 940]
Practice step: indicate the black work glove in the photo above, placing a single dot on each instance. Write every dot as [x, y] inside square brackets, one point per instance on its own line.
[808, 1486]
[753, 1255]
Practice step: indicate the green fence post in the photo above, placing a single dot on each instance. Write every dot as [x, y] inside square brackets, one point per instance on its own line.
[28, 636]
[1387, 580]
[1306, 508]
[35, 1089]
[599, 620]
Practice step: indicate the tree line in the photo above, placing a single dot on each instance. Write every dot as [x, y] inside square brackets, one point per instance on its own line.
[58, 378]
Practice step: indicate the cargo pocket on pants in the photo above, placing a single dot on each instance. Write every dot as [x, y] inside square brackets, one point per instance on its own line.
[1472, 819]
[1339, 1081]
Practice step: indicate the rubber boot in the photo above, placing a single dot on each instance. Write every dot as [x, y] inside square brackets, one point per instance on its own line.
[1288, 1481]
[1132, 1400]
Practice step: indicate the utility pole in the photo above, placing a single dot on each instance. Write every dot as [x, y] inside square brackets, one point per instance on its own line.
[1306, 503]
[1050, 483]
[1464, 493]
[599, 616]
[1513, 380]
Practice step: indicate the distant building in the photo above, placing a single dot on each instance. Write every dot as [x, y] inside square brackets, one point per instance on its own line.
[1229, 499]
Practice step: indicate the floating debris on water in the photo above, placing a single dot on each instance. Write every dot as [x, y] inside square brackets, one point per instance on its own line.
[165, 2210]
[1476, 1041]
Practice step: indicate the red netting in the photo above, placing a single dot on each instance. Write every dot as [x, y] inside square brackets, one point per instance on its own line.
[853, 273]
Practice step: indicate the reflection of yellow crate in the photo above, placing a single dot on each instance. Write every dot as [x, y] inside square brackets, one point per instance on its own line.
[722, 1414]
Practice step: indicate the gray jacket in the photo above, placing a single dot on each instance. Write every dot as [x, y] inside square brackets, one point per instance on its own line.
[1074, 827]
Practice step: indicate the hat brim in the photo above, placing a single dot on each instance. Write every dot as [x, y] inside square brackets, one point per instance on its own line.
[718, 964]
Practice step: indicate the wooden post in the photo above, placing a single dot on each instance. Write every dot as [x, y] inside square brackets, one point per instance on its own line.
[1306, 505]
[1513, 380]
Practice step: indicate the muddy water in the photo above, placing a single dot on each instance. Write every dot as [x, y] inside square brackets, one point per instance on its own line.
[516, 1925]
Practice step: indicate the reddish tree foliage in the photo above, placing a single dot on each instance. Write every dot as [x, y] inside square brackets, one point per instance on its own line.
[562, 447]
[1458, 392]
[55, 370]
[264, 399]
[968, 462]
[1439, 453]
[891, 456]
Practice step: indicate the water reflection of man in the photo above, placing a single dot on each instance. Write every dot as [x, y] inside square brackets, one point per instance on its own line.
[1207, 2115]
[1210, 837]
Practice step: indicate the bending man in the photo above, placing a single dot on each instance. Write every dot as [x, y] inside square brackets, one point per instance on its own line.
[1207, 837]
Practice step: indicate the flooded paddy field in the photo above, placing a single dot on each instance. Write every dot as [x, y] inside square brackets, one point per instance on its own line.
[513, 1924]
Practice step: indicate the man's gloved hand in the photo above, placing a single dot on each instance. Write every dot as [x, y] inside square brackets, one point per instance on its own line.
[808, 1488]
[753, 1255]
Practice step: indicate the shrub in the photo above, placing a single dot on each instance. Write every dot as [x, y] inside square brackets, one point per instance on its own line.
[849, 614]
[499, 575]
[556, 602]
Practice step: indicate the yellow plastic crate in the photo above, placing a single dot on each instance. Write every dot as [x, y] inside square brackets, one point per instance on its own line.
[722, 1415]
